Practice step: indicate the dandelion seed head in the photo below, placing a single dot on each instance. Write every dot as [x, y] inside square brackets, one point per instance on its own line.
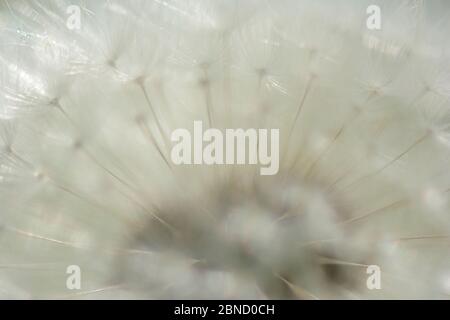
[86, 176]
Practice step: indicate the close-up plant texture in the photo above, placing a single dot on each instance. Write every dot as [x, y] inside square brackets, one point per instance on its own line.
[91, 91]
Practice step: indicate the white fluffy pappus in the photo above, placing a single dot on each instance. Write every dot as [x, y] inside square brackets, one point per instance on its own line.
[86, 177]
